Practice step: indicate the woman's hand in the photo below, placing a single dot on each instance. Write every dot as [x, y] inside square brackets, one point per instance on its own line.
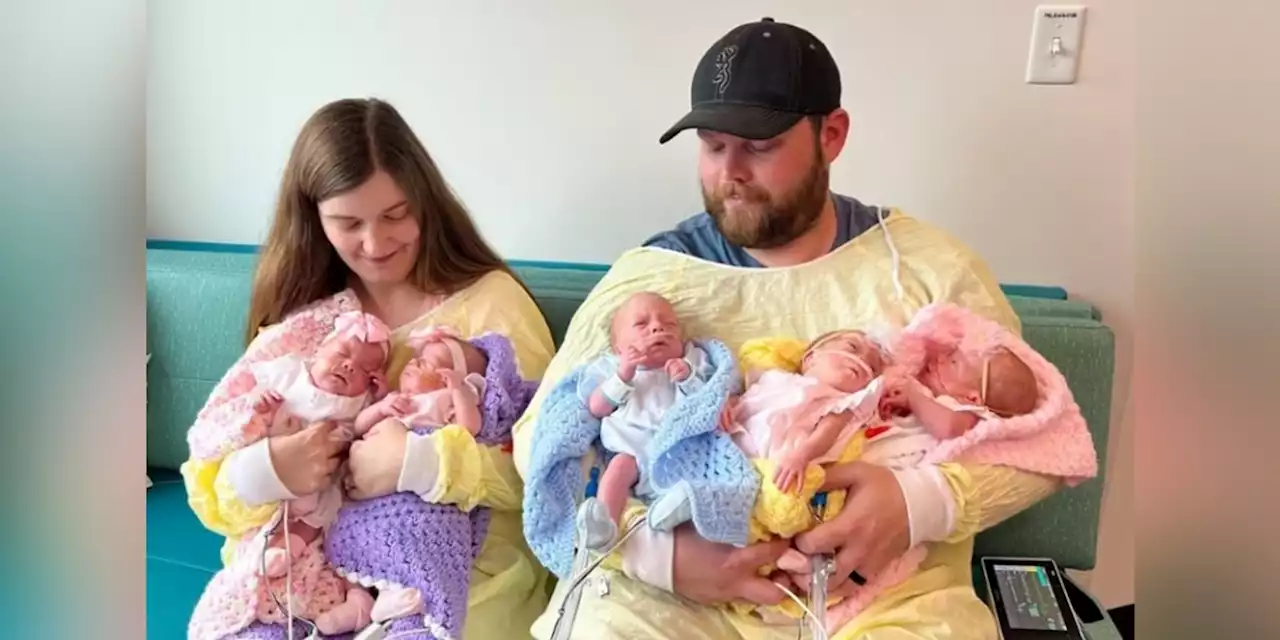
[869, 532]
[710, 572]
[375, 461]
[305, 460]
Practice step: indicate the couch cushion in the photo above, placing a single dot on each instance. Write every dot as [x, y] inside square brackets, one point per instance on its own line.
[174, 534]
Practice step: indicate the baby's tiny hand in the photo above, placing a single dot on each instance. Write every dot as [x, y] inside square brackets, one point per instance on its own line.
[727, 414]
[378, 384]
[452, 379]
[789, 475]
[268, 403]
[628, 360]
[678, 369]
[401, 405]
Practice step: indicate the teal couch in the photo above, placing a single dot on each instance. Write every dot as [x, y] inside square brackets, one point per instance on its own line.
[197, 300]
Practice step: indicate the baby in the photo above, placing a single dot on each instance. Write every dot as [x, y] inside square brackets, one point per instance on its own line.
[334, 385]
[648, 369]
[951, 394]
[798, 420]
[443, 384]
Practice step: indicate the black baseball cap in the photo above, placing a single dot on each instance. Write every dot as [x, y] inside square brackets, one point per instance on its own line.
[759, 80]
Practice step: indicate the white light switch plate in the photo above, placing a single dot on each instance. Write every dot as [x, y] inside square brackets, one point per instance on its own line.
[1051, 62]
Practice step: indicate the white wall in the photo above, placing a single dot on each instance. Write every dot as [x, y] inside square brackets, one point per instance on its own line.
[545, 118]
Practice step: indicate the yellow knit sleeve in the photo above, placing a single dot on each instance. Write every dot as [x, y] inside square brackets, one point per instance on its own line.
[472, 474]
[216, 504]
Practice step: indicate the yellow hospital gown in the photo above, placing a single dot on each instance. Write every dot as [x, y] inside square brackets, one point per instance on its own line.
[508, 585]
[851, 287]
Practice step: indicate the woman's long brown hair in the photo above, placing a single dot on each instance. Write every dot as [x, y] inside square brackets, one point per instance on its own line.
[338, 149]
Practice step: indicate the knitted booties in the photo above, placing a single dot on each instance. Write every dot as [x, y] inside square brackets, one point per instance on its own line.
[396, 603]
[278, 558]
[353, 614]
[596, 529]
[672, 508]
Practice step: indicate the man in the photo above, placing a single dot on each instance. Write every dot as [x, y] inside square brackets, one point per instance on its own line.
[766, 107]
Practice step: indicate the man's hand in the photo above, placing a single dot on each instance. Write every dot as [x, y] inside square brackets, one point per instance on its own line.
[711, 573]
[678, 369]
[870, 531]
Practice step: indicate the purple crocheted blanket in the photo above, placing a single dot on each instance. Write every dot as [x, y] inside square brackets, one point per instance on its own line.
[401, 540]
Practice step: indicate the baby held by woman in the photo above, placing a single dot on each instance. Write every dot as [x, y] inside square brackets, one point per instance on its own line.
[335, 384]
[443, 384]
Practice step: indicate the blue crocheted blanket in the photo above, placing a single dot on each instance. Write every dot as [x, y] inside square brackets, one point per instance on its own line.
[689, 447]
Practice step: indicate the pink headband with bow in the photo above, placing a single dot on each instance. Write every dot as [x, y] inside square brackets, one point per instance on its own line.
[447, 336]
[356, 325]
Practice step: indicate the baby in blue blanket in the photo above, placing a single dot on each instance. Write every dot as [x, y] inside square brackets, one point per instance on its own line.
[630, 389]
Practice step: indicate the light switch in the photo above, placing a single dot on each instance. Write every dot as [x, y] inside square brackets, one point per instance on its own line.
[1057, 34]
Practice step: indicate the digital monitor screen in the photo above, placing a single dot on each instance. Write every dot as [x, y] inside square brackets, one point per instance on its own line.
[1029, 601]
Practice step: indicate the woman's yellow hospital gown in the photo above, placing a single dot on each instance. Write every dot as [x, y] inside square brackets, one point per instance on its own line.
[508, 585]
[852, 287]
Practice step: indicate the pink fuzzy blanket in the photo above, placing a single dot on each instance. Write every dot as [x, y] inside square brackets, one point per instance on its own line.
[1052, 440]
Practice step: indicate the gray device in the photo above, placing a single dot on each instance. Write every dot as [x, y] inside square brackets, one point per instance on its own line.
[1030, 599]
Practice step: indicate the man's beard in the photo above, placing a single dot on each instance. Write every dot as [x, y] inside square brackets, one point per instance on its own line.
[759, 221]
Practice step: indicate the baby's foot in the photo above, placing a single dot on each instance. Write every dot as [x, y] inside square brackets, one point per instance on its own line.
[277, 561]
[596, 529]
[396, 603]
[673, 508]
[352, 615]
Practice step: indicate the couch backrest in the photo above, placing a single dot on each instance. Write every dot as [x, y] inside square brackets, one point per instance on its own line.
[197, 301]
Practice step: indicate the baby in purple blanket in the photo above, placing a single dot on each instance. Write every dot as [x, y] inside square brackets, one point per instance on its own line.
[417, 555]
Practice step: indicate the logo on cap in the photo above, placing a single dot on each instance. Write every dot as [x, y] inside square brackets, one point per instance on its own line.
[723, 72]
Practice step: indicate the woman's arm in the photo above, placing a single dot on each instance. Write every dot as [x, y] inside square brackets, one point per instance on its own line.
[448, 466]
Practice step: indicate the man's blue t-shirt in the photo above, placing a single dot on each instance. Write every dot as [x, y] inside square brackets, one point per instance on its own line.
[698, 236]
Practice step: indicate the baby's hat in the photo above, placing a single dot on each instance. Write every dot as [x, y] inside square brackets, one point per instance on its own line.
[363, 327]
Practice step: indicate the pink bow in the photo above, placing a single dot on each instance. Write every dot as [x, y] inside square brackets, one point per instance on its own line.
[361, 326]
[419, 338]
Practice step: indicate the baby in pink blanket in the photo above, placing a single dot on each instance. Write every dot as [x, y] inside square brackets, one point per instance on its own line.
[955, 389]
[335, 385]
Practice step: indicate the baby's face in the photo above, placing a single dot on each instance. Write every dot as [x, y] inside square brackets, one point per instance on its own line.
[422, 374]
[345, 366]
[848, 362]
[648, 323]
[954, 374]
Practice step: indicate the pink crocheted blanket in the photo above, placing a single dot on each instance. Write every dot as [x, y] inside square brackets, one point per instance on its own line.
[238, 594]
[1052, 440]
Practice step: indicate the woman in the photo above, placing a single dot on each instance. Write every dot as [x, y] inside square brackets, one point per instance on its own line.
[364, 221]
